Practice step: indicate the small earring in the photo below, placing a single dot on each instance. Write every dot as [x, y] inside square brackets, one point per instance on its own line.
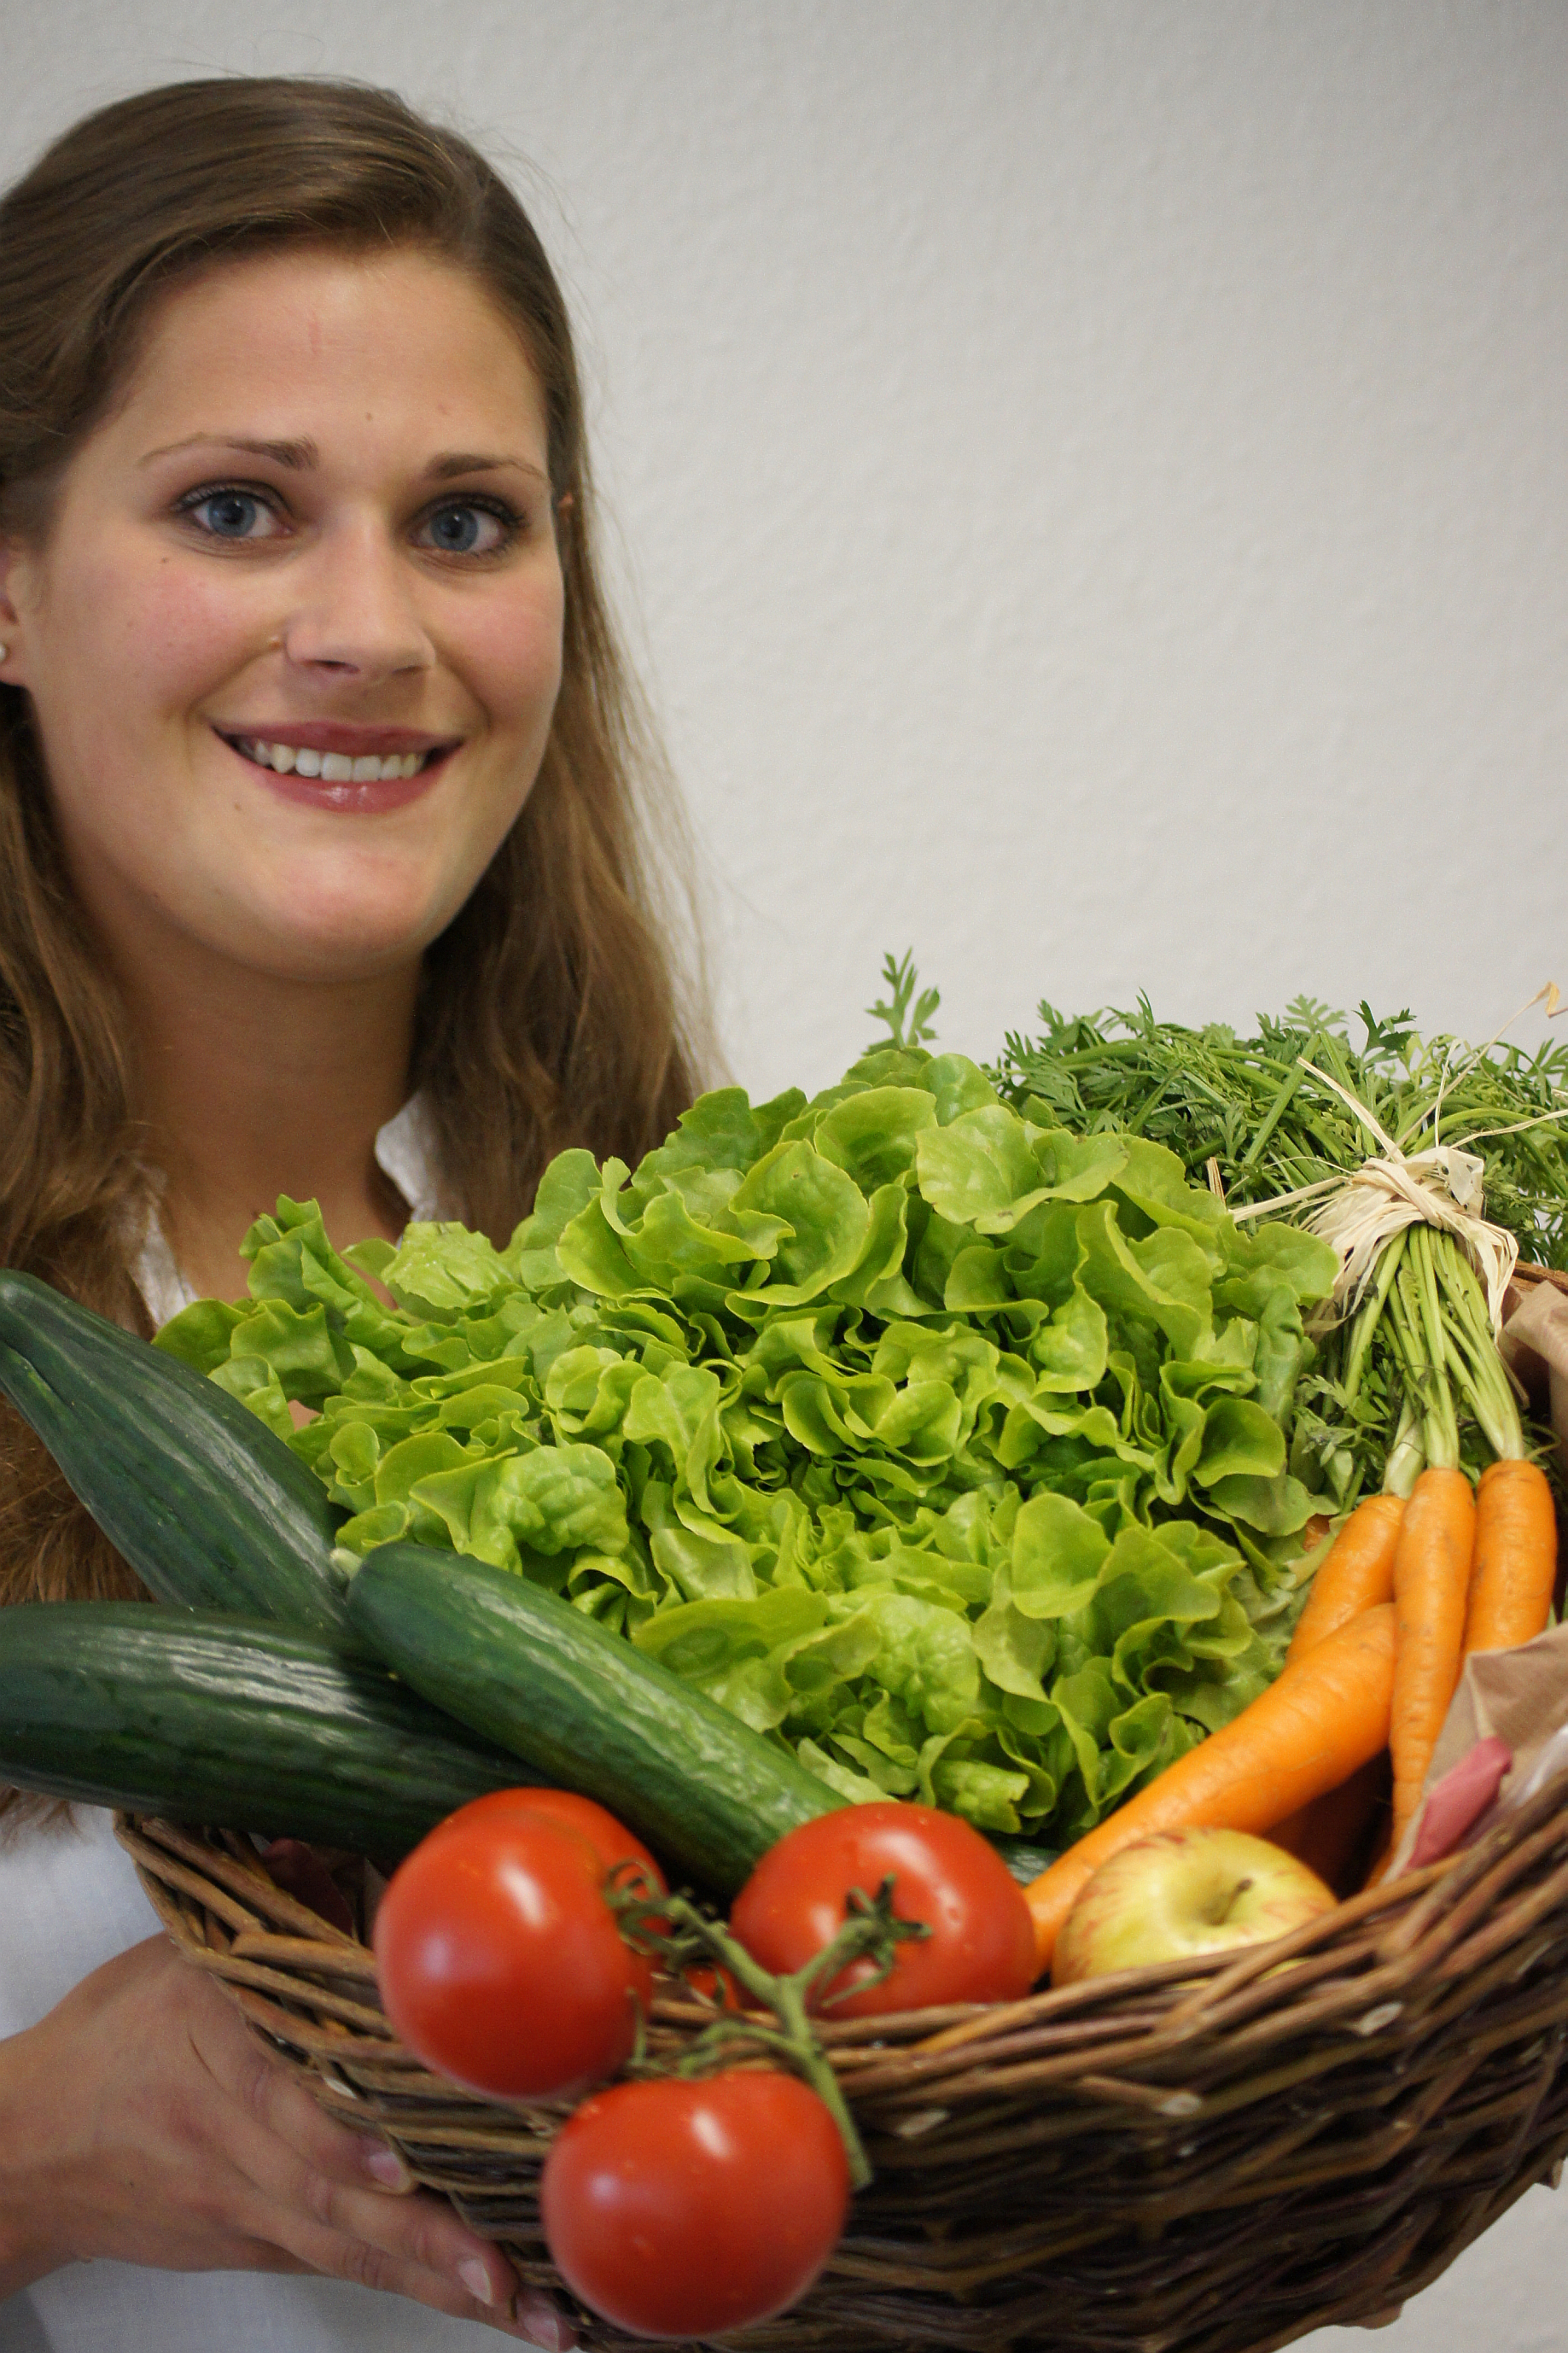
[5, 650]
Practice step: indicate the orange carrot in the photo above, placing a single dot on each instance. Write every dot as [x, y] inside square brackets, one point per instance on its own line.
[1356, 1575]
[1431, 1582]
[1515, 1566]
[1307, 1733]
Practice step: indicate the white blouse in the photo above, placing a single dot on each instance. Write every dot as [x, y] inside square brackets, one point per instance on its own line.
[70, 1900]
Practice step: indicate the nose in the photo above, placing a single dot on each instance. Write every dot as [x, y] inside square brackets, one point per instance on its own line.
[355, 608]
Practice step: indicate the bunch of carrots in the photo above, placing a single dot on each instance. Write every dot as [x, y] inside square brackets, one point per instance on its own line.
[1407, 1590]
[1441, 1562]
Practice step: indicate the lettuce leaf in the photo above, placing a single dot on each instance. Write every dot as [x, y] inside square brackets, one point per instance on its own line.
[948, 1448]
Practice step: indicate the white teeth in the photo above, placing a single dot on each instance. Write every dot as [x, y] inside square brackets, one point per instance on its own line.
[333, 767]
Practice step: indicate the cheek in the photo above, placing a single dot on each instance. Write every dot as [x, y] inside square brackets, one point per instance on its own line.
[154, 636]
[515, 656]
[194, 631]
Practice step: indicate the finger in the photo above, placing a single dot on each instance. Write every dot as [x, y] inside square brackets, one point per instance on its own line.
[404, 2248]
[324, 2195]
[350, 2154]
[355, 2158]
[296, 2219]
[539, 2322]
[270, 2091]
[321, 2194]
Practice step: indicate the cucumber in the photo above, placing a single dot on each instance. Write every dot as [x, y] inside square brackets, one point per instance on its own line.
[211, 1509]
[1024, 1857]
[528, 1670]
[208, 1717]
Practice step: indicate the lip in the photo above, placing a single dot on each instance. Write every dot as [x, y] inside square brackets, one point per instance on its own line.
[369, 799]
[336, 735]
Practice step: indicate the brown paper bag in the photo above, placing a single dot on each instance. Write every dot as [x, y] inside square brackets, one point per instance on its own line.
[1518, 1696]
[1534, 1346]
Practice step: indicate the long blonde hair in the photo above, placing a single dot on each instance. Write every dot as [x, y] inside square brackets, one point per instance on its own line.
[550, 1012]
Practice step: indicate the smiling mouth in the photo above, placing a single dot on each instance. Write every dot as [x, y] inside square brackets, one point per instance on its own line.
[336, 767]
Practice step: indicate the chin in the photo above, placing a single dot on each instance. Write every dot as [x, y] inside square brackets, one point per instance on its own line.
[324, 934]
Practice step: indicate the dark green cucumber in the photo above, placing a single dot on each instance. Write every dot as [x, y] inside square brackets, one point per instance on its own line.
[1024, 1857]
[213, 1718]
[709, 1795]
[211, 1509]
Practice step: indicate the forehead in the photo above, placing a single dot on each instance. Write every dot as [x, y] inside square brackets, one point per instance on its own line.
[385, 348]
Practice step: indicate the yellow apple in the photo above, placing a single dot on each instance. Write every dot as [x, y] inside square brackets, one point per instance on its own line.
[1183, 1891]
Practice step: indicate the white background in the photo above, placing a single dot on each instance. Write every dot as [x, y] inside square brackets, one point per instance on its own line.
[1088, 490]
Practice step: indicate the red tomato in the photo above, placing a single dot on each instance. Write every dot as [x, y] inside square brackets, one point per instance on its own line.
[711, 1981]
[981, 1946]
[680, 2209]
[610, 1840]
[499, 1961]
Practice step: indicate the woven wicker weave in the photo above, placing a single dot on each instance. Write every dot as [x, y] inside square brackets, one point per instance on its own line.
[1201, 2158]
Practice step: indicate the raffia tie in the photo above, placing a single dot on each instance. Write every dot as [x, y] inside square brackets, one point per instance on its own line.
[1391, 1190]
[1385, 1195]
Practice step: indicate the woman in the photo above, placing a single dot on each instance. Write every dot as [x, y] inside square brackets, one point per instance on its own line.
[320, 876]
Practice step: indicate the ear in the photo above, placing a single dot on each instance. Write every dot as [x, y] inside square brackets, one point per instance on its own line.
[12, 566]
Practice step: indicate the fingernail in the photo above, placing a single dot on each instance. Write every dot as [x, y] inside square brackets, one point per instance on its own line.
[544, 2326]
[476, 2279]
[388, 2169]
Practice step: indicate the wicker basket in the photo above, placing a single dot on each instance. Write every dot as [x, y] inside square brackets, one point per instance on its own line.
[1525, 1277]
[1210, 2157]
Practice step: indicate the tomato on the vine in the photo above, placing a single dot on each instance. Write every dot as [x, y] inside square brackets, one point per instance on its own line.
[500, 1962]
[981, 1946]
[611, 1841]
[711, 1981]
[686, 2208]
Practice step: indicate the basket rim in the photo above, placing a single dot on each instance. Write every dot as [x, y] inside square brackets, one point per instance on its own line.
[1386, 1924]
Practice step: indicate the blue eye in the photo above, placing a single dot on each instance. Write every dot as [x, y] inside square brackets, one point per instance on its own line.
[231, 515]
[463, 528]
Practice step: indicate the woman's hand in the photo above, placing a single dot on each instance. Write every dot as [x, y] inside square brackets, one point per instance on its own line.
[143, 2120]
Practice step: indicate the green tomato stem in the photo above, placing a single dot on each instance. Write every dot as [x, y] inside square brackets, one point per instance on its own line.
[871, 1931]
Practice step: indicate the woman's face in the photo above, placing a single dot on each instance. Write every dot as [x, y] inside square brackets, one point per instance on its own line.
[293, 640]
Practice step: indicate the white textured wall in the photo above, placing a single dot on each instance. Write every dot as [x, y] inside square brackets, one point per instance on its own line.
[1092, 491]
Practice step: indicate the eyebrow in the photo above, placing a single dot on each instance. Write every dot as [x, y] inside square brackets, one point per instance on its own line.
[301, 456]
